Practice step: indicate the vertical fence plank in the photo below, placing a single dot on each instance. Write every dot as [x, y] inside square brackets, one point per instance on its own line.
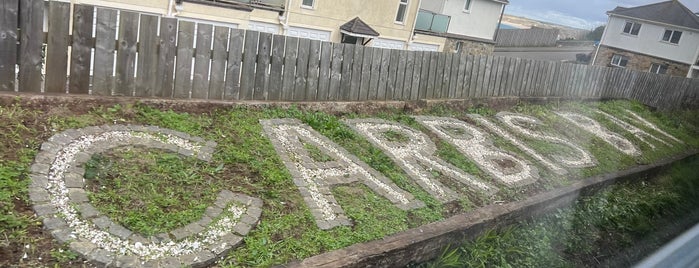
[126, 54]
[346, 79]
[468, 71]
[443, 75]
[408, 75]
[424, 74]
[235, 56]
[31, 21]
[392, 73]
[218, 63]
[460, 76]
[438, 76]
[105, 36]
[290, 54]
[301, 70]
[324, 71]
[185, 53]
[8, 43]
[81, 49]
[166, 58]
[57, 47]
[383, 75]
[432, 75]
[375, 73]
[275, 73]
[400, 76]
[264, 49]
[313, 72]
[247, 75]
[356, 72]
[480, 84]
[202, 61]
[147, 55]
[416, 75]
[365, 83]
[335, 72]
[454, 76]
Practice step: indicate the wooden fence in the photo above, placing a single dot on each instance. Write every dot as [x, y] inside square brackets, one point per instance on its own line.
[534, 37]
[133, 54]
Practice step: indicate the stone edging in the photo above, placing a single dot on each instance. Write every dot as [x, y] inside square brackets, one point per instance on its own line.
[59, 199]
[426, 242]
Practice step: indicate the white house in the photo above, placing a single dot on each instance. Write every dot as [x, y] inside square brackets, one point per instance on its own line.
[661, 38]
[468, 25]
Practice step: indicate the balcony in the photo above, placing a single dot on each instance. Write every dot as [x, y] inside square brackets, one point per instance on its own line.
[274, 5]
[432, 22]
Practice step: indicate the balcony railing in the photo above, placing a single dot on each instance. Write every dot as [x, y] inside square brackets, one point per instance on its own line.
[277, 5]
[432, 22]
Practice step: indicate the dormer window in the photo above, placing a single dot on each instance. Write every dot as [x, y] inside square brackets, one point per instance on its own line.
[632, 28]
[672, 36]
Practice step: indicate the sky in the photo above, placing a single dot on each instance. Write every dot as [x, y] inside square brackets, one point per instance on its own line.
[584, 14]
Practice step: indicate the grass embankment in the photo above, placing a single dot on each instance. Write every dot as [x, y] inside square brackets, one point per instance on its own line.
[612, 228]
[246, 162]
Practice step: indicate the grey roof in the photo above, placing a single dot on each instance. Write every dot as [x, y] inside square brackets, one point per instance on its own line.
[669, 12]
[358, 26]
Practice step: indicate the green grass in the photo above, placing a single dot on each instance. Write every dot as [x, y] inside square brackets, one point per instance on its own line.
[151, 191]
[594, 229]
[246, 162]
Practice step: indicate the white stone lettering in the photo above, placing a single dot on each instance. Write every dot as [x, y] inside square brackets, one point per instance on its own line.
[475, 144]
[637, 132]
[414, 152]
[526, 125]
[314, 178]
[594, 127]
[653, 127]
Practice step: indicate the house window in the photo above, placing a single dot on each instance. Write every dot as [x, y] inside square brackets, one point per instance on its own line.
[307, 3]
[658, 68]
[632, 28]
[402, 8]
[619, 60]
[672, 36]
[467, 6]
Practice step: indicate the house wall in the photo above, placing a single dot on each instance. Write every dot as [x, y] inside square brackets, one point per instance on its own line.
[649, 41]
[469, 47]
[330, 15]
[435, 6]
[639, 62]
[192, 11]
[481, 21]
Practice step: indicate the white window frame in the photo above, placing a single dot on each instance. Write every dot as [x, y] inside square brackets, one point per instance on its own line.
[402, 3]
[672, 34]
[630, 32]
[312, 6]
[619, 58]
[658, 68]
[467, 6]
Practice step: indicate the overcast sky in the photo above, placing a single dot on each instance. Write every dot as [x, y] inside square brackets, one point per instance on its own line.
[585, 14]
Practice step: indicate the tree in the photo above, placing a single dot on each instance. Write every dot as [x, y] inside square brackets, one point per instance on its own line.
[596, 34]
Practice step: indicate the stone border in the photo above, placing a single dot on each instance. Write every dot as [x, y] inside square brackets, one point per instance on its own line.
[427, 242]
[59, 199]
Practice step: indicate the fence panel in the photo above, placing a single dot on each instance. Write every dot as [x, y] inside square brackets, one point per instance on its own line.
[275, 74]
[202, 61]
[326, 50]
[247, 75]
[167, 49]
[105, 34]
[335, 72]
[357, 64]
[313, 71]
[31, 21]
[57, 47]
[126, 54]
[185, 54]
[8, 43]
[233, 66]
[147, 56]
[346, 74]
[218, 63]
[264, 50]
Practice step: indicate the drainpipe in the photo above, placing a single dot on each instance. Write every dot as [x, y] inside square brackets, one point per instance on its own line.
[606, 27]
[170, 6]
[412, 31]
[497, 29]
[284, 20]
